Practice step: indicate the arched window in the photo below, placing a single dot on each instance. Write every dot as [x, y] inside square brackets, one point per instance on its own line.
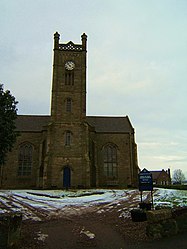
[68, 138]
[25, 159]
[110, 161]
[69, 77]
[68, 105]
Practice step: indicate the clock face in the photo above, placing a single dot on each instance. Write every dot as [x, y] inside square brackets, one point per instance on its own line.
[69, 65]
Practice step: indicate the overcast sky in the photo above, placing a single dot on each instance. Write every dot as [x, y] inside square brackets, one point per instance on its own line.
[137, 65]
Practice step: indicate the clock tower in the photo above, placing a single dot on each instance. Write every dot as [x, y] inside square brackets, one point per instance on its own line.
[69, 81]
[68, 160]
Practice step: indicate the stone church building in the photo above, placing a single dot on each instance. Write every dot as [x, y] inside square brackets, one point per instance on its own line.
[68, 148]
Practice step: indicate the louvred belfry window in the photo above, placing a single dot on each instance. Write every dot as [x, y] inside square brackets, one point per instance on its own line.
[69, 77]
[68, 105]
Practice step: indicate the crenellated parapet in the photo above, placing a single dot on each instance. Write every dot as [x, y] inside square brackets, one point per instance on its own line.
[70, 46]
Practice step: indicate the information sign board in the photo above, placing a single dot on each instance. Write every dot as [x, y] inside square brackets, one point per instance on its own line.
[145, 180]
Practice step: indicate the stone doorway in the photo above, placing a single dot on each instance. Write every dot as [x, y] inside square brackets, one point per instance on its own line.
[66, 177]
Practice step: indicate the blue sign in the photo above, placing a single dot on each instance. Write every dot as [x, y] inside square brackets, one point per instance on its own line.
[145, 180]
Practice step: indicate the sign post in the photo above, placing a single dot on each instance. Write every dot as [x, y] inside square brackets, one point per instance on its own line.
[145, 182]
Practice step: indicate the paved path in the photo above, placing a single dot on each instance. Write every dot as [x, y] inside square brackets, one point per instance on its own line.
[92, 232]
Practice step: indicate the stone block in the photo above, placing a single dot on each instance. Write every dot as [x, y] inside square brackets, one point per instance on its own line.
[164, 228]
[180, 215]
[158, 215]
[10, 229]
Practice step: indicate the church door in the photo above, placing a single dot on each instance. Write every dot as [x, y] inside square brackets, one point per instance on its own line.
[66, 177]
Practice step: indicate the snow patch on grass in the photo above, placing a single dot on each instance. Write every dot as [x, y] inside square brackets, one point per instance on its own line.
[41, 236]
[87, 233]
[39, 204]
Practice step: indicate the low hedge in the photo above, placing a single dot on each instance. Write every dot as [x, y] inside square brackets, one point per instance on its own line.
[179, 187]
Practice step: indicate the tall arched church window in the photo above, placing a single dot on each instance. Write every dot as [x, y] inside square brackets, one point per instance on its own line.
[68, 105]
[25, 159]
[110, 161]
[68, 138]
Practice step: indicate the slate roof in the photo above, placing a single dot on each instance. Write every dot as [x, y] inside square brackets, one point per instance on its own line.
[110, 124]
[36, 123]
[155, 174]
[32, 123]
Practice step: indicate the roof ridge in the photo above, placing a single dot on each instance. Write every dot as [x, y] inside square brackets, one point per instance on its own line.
[98, 116]
[32, 115]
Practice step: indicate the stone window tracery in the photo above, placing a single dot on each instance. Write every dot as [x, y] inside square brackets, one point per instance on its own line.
[25, 159]
[110, 161]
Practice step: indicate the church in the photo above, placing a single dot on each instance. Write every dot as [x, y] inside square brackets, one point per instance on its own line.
[68, 149]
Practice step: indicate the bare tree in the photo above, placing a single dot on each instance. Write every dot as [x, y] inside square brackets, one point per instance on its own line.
[178, 176]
